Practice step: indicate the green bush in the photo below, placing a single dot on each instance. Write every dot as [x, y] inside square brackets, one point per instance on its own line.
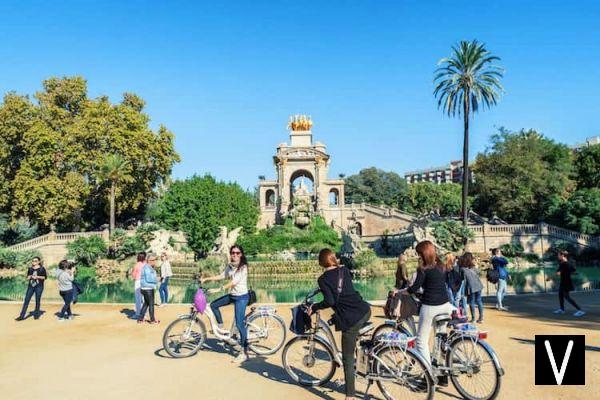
[124, 245]
[512, 249]
[316, 236]
[450, 234]
[367, 260]
[17, 259]
[211, 265]
[86, 251]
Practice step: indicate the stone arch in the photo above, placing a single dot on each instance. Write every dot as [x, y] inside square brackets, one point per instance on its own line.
[270, 198]
[334, 197]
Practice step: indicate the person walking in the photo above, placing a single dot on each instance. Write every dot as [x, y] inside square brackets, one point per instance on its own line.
[431, 278]
[36, 275]
[564, 271]
[237, 272]
[454, 279]
[499, 263]
[401, 273]
[351, 311]
[64, 276]
[165, 275]
[148, 281]
[136, 275]
[474, 285]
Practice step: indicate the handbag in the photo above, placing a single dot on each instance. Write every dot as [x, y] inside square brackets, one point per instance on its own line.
[251, 297]
[337, 321]
[392, 306]
[408, 307]
[301, 321]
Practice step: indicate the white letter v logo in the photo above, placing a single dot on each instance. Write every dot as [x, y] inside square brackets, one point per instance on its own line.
[559, 375]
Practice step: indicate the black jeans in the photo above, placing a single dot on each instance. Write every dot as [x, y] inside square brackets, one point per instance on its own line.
[148, 295]
[37, 290]
[348, 347]
[67, 296]
[563, 294]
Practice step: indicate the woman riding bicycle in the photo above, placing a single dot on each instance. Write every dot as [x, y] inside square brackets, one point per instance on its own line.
[237, 272]
[350, 309]
[431, 276]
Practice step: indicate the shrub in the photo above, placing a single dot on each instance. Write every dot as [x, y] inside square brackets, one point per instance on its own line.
[368, 260]
[211, 265]
[450, 234]
[512, 249]
[17, 259]
[124, 245]
[86, 251]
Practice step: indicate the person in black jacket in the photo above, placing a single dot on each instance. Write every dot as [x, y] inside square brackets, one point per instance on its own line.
[36, 275]
[351, 310]
[564, 271]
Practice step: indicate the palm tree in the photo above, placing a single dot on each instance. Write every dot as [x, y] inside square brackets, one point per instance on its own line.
[466, 81]
[114, 170]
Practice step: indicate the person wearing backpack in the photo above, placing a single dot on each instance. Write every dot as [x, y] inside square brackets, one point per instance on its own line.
[351, 311]
[499, 264]
[564, 271]
[474, 285]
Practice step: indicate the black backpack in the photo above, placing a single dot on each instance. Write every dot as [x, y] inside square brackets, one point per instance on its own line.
[493, 275]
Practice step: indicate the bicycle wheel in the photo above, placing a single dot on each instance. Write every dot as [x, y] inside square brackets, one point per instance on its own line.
[184, 337]
[474, 372]
[403, 375]
[309, 361]
[266, 333]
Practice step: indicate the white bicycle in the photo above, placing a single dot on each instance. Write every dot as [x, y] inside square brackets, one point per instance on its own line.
[185, 336]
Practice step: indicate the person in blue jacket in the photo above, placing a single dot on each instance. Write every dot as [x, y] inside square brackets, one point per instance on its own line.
[148, 282]
[499, 262]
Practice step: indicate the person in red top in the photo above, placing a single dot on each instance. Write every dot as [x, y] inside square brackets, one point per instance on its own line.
[136, 275]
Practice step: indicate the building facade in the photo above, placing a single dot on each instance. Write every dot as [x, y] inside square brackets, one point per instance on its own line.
[450, 173]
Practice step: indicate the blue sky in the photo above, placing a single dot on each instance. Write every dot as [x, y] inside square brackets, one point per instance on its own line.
[225, 76]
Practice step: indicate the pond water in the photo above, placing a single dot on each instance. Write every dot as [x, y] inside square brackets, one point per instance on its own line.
[286, 289]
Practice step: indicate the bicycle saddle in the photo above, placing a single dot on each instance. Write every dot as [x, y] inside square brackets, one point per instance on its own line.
[365, 328]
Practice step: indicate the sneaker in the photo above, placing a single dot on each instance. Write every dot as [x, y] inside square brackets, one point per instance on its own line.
[480, 321]
[155, 322]
[19, 318]
[60, 319]
[140, 321]
[559, 311]
[240, 358]
[498, 307]
[502, 308]
[579, 313]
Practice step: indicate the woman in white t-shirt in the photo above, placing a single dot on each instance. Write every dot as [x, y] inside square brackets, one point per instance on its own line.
[165, 275]
[237, 274]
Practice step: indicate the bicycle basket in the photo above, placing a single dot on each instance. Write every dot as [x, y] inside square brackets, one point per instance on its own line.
[200, 301]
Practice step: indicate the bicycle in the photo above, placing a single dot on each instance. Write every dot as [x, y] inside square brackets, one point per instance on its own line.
[311, 359]
[185, 336]
[461, 353]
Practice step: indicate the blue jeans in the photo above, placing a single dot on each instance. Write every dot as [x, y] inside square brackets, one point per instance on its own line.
[67, 296]
[458, 298]
[501, 291]
[37, 290]
[476, 298]
[163, 290]
[240, 303]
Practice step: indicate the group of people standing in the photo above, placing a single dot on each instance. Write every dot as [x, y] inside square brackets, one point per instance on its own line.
[67, 288]
[145, 281]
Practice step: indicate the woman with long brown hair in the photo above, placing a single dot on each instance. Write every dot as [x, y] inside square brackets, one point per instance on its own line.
[350, 309]
[431, 276]
[473, 283]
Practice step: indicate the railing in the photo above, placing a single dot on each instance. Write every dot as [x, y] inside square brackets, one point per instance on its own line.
[30, 244]
[54, 238]
[535, 229]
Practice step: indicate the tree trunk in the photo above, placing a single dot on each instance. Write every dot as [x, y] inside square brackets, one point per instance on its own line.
[465, 177]
[112, 208]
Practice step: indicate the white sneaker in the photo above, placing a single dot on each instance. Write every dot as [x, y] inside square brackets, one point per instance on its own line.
[579, 313]
[503, 308]
[60, 319]
[241, 357]
[559, 311]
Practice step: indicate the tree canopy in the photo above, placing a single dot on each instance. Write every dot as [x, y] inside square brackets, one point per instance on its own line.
[522, 175]
[49, 149]
[199, 205]
[375, 186]
[423, 197]
[587, 165]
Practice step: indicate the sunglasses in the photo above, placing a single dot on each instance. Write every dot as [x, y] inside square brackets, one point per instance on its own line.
[235, 253]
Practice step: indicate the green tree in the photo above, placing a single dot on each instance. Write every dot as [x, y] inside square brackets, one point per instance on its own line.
[375, 186]
[49, 151]
[580, 212]
[522, 176]
[465, 82]
[113, 170]
[198, 206]
[587, 165]
[423, 197]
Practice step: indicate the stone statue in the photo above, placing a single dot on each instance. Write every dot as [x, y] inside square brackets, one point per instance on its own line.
[351, 242]
[225, 241]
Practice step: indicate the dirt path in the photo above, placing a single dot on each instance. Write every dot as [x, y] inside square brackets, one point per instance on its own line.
[104, 355]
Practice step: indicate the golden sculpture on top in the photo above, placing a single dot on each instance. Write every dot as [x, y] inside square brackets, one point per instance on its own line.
[300, 123]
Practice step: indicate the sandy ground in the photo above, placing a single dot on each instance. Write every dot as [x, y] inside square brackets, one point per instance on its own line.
[102, 354]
